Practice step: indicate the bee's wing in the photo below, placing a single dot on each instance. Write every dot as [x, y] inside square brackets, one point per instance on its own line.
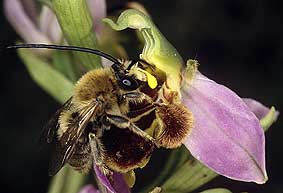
[49, 131]
[63, 147]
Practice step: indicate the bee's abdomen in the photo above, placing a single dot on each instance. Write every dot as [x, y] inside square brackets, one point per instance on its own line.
[125, 150]
[81, 159]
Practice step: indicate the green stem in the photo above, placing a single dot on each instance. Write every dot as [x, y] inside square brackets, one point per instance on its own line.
[175, 160]
[77, 26]
[67, 181]
[58, 181]
[188, 178]
[63, 63]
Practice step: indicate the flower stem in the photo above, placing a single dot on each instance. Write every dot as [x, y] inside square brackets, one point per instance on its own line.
[77, 26]
[67, 181]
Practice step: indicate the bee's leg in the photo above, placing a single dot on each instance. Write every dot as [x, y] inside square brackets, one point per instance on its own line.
[137, 97]
[124, 123]
[99, 125]
[97, 150]
[142, 133]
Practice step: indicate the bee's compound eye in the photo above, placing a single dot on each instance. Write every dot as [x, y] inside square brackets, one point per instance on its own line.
[129, 83]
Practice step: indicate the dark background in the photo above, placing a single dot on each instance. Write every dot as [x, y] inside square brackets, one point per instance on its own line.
[238, 43]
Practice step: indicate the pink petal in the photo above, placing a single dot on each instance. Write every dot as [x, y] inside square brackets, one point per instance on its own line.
[258, 109]
[24, 26]
[30, 8]
[89, 189]
[117, 185]
[227, 136]
[98, 12]
[49, 25]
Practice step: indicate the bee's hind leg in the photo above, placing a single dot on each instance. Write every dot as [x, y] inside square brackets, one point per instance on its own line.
[124, 123]
[97, 151]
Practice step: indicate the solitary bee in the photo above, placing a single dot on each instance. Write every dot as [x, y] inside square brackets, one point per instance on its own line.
[115, 118]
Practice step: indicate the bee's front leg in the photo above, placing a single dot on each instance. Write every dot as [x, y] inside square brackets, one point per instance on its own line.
[136, 97]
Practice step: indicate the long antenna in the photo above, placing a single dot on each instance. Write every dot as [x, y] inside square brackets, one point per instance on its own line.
[59, 47]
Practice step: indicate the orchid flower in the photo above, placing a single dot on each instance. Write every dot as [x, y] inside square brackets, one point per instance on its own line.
[227, 135]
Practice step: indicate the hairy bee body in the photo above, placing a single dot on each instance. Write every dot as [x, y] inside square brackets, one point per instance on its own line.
[93, 126]
[96, 84]
[115, 119]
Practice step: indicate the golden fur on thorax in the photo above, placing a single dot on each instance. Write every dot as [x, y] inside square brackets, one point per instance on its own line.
[96, 83]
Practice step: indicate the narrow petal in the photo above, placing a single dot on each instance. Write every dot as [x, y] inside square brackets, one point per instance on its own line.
[89, 189]
[46, 76]
[227, 136]
[30, 9]
[49, 25]
[116, 185]
[24, 26]
[258, 109]
[98, 12]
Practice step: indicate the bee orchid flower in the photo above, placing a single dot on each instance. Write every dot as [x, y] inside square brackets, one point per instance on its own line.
[227, 135]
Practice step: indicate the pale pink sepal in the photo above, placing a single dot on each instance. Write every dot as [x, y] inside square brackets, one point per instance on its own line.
[89, 189]
[98, 12]
[30, 8]
[258, 109]
[22, 23]
[117, 183]
[49, 25]
[227, 136]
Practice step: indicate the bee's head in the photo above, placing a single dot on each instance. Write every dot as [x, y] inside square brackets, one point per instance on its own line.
[125, 81]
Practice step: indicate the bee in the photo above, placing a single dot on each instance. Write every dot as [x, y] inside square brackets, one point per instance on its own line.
[92, 126]
[115, 118]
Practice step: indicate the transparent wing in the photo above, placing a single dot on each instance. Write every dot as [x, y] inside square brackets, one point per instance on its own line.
[63, 147]
[49, 131]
